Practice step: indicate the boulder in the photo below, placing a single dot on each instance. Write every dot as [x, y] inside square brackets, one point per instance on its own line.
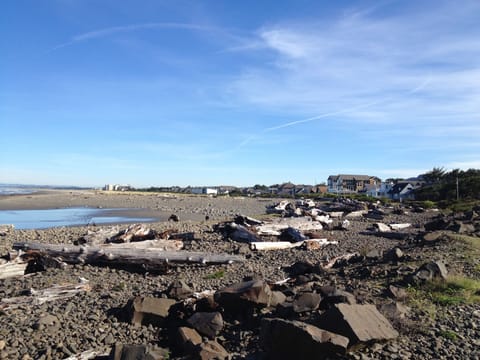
[434, 237]
[278, 298]
[437, 224]
[283, 339]
[429, 271]
[306, 302]
[254, 292]
[359, 323]
[301, 268]
[212, 350]
[149, 310]
[137, 352]
[332, 295]
[394, 254]
[207, 323]
[187, 339]
[179, 290]
[462, 228]
[394, 311]
[397, 292]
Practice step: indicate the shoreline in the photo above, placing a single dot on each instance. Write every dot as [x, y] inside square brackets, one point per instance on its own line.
[156, 206]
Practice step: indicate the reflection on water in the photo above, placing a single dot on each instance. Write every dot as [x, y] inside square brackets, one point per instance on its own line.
[41, 219]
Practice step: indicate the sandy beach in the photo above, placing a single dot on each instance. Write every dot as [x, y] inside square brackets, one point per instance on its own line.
[138, 204]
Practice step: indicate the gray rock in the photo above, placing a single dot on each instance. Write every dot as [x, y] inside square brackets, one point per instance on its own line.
[394, 254]
[306, 302]
[149, 310]
[187, 339]
[394, 311]
[397, 292]
[283, 339]
[179, 290]
[212, 350]
[236, 296]
[430, 271]
[207, 323]
[360, 323]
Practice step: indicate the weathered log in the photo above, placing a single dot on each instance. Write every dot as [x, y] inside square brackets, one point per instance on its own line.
[275, 228]
[400, 226]
[13, 268]
[310, 244]
[165, 245]
[38, 297]
[275, 245]
[150, 258]
[333, 261]
[87, 355]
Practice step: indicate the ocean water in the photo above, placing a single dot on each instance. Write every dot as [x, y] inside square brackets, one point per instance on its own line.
[42, 219]
[13, 189]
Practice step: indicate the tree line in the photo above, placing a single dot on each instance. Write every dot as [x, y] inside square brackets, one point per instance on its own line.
[443, 185]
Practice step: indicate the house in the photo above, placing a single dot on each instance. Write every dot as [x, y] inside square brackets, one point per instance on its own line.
[405, 190]
[402, 191]
[204, 190]
[372, 190]
[344, 183]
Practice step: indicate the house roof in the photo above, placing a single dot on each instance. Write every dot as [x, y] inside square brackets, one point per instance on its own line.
[350, 177]
[398, 188]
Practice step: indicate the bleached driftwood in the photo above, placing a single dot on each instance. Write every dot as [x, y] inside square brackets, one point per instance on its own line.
[314, 244]
[12, 268]
[274, 245]
[310, 244]
[38, 297]
[332, 262]
[356, 214]
[335, 214]
[400, 226]
[87, 355]
[150, 258]
[381, 227]
[275, 228]
[165, 245]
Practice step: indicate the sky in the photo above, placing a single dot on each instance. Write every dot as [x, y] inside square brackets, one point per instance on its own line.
[216, 92]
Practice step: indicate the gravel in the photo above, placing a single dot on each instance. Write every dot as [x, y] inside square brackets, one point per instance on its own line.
[92, 320]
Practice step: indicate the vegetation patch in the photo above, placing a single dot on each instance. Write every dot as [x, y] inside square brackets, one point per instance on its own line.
[454, 291]
[448, 334]
[216, 275]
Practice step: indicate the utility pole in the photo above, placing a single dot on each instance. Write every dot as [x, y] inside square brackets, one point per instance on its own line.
[458, 194]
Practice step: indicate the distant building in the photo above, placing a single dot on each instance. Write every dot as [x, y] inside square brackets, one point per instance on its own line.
[344, 183]
[117, 187]
[204, 191]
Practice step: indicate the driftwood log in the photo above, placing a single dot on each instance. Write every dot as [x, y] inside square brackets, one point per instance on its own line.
[38, 297]
[12, 268]
[149, 258]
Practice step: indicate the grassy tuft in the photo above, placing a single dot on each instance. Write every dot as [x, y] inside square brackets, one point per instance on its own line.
[449, 334]
[216, 275]
[454, 291]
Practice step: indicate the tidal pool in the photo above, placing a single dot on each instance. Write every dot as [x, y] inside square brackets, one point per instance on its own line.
[42, 219]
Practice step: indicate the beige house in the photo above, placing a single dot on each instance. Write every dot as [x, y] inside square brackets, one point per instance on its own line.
[344, 183]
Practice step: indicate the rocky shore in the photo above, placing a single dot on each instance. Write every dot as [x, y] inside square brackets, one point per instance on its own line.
[377, 275]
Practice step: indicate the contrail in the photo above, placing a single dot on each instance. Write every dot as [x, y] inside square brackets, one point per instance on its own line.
[339, 112]
[128, 28]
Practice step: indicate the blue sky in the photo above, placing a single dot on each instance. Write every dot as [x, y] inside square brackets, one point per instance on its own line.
[236, 92]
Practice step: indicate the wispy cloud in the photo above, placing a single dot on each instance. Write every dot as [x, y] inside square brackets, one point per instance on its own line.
[99, 33]
[402, 71]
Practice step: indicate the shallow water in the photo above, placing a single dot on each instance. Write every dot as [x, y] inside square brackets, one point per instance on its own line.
[41, 219]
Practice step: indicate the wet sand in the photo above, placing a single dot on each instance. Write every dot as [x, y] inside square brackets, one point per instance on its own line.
[136, 204]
